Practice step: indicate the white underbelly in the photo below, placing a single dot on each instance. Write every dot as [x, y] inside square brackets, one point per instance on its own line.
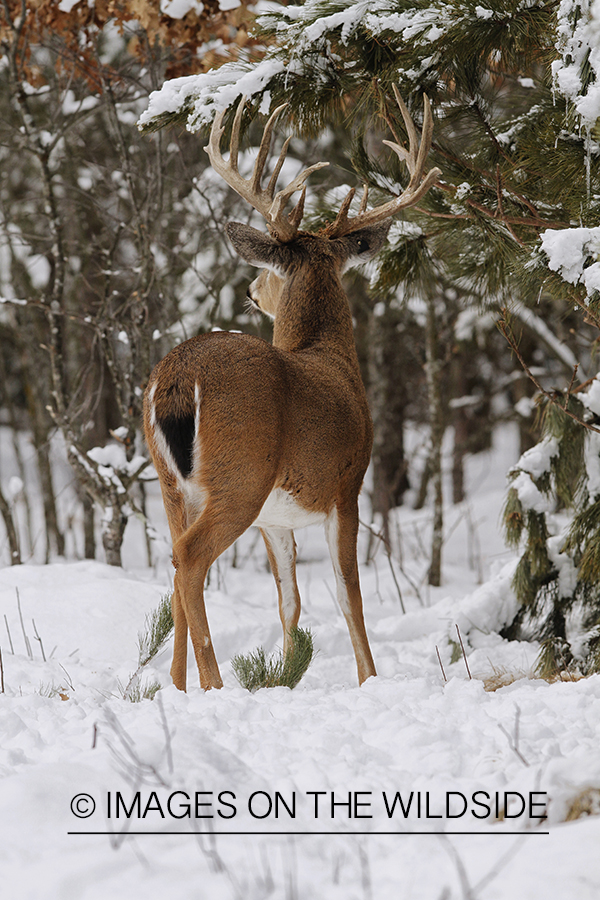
[280, 510]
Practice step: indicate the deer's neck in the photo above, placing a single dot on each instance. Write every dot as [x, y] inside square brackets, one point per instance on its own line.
[313, 314]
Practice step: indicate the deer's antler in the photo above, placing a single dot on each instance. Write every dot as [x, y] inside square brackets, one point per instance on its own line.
[264, 200]
[419, 184]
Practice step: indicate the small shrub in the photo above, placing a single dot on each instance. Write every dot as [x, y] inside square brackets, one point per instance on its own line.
[51, 691]
[138, 692]
[501, 676]
[256, 671]
[157, 629]
[586, 803]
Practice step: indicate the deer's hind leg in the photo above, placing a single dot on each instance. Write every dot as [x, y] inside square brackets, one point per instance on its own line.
[281, 550]
[341, 531]
[219, 524]
[177, 518]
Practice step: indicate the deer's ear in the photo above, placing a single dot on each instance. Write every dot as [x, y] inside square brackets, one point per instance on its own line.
[257, 248]
[364, 244]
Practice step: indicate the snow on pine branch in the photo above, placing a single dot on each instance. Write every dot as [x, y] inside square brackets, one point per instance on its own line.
[575, 254]
[304, 36]
[197, 98]
[576, 72]
[532, 465]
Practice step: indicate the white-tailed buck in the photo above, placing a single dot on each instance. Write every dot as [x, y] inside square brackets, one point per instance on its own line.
[242, 432]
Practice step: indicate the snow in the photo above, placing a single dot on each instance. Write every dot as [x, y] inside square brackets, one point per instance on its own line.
[334, 791]
[530, 496]
[536, 461]
[177, 9]
[578, 34]
[210, 92]
[591, 397]
[565, 250]
[532, 464]
[592, 463]
[67, 5]
[569, 251]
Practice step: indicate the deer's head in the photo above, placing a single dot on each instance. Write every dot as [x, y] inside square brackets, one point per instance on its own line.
[286, 250]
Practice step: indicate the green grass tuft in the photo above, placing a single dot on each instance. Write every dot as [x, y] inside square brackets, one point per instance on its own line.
[256, 671]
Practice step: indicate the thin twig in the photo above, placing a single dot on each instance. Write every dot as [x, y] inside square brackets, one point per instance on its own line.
[570, 388]
[70, 684]
[462, 647]
[440, 662]
[27, 644]
[1, 673]
[12, 649]
[38, 638]
[514, 742]
[388, 554]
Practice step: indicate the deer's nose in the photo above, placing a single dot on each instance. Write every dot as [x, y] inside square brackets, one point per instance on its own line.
[251, 299]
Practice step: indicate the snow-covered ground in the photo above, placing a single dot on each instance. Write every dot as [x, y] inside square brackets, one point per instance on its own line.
[393, 790]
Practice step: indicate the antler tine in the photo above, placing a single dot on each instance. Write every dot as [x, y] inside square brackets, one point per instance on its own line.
[282, 196]
[295, 217]
[264, 200]
[363, 201]
[234, 144]
[410, 156]
[420, 181]
[277, 169]
[263, 151]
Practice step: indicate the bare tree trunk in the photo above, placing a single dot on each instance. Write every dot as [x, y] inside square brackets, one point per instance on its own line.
[437, 428]
[55, 539]
[7, 403]
[461, 434]
[11, 531]
[113, 529]
[460, 422]
[89, 522]
[388, 397]
[423, 484]
[147, 535]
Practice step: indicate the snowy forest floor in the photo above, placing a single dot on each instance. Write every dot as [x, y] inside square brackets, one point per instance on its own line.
[408, 788]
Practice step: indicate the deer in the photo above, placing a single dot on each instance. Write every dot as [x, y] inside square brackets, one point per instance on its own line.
[243, 432]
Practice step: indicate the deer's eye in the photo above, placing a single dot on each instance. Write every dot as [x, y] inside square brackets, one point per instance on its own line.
[362, 246]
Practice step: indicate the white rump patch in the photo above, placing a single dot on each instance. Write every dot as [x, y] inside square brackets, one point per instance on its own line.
[280, 510]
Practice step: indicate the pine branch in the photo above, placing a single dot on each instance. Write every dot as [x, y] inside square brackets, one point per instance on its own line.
[552, 396]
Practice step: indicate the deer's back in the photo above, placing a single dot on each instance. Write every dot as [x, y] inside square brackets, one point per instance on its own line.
[297, 421]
